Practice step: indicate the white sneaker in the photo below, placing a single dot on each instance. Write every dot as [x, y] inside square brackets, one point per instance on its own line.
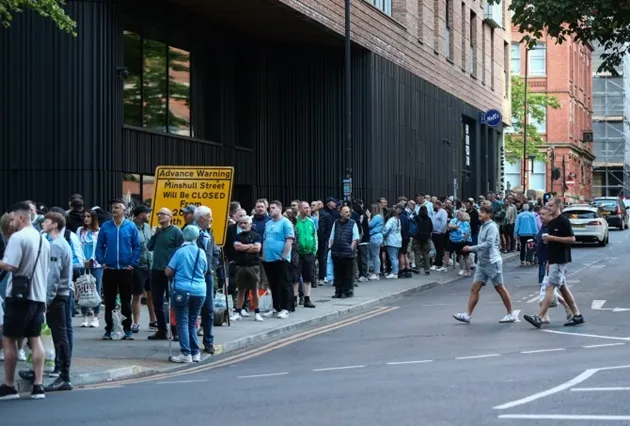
[546, 319]
[442, 269]
[284, 314]
[1, 354]
[270, 313]
[21, 355]
[85, 322]
[461, 272]
[236, 316]
[462, 317]
[508, 318]
[391, 277]
[244, 313]
[374, 277]
[196, 358]
[258, 318]
[362, 279]
[433, 268]
[94, 323]
[325, 280]
[413, 266]
[181, 359]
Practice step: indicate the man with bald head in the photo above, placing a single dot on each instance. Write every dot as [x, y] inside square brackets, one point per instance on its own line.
[165, 241]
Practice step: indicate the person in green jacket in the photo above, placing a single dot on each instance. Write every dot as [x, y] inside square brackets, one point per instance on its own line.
[306, 233]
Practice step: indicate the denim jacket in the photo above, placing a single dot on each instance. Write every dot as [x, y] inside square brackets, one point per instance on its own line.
[391, 232]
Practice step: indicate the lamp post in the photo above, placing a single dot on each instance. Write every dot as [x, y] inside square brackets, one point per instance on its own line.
[347, 103]
[525, 122]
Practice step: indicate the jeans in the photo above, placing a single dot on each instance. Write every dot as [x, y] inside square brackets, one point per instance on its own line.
[343, 275]
[330, 270]
[392, 254]
[207, 312]
[523, 239]
[439, 240]
[117, 281]
[376, 241]
[56, 317]
[187, 325]
[69, 311]
[362, 259]
[542, 271]
[98, 276]
[322, 256]
[159, 289]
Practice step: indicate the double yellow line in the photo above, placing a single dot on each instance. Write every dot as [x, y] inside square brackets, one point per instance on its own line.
[251, 353]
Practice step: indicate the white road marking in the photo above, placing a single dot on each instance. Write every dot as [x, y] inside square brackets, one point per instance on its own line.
[564, 386]
[254, 376]
[563, 417]
[573, 281]
[621, 309]
[347, 367]
[543, 350]
[596, 336]
[438, 304]
[604, 345]
[600, 266]
[477, 356]
[182, 381]
[533, 299]
[597, 305]
[599, 389]
[423, 361]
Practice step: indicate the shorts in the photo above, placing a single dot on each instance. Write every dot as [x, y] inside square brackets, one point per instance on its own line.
[307, 267]
[558, 274]
[492, 272]
[23, 318]
[456, 248]
[247, 277]
[508, 229]
[405, 247]
[141, 281]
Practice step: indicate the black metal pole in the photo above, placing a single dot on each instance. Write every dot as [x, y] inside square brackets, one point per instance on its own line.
[348, 98]
[525, 122]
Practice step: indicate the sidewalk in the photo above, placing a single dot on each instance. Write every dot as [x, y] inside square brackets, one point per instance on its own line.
[96, 361]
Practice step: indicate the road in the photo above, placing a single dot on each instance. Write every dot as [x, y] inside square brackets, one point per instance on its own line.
[411, 365]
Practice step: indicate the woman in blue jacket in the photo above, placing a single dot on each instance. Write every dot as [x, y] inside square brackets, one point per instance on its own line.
[375, 216]
[525, 229]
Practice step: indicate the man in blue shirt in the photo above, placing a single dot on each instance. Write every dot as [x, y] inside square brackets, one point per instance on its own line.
[277, 244]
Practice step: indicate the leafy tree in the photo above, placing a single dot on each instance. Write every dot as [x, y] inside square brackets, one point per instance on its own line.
[606, 22]
[537, 104]
[47, 8]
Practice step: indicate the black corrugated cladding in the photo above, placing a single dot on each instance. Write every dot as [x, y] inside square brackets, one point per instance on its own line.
[60, 106]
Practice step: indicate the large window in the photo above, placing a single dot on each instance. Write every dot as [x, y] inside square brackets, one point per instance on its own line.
[157, 90]
[467, 145]
[448, 36]
[540, 125]
[538, 60]
[516, 58]
[472, 56]
[384, 5]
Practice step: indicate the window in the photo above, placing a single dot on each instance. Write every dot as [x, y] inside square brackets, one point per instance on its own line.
[383, 5]
[541, 126]
[506, 69]
[465, 50]
[156, 93]
[472, 55]
[516, 58]
[538, 175]
[448, 36]
[538, 60]
[421, 21]
[467, 145]
[483, 53]
[492, 65]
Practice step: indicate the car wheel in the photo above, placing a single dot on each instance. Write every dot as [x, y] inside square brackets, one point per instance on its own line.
[626, 227]
[603, 242]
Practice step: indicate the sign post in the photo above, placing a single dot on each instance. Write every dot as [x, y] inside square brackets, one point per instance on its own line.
[492, 118]
[570, 182]
[177, 187]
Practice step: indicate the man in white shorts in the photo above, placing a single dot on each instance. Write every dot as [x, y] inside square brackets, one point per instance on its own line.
[489, 267]
[559, 239]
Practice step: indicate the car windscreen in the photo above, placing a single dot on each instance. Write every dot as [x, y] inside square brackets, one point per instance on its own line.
[580, 214]
[606, 204]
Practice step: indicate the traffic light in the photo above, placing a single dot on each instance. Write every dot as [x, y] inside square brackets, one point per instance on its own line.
[556, 173]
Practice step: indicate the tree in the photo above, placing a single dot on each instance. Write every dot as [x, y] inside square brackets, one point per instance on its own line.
[47, 8]
[606, 22]
[537, 104]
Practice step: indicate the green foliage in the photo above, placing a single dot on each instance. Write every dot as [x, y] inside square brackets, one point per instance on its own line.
[51, 9]
[604, 21]
[537, 104]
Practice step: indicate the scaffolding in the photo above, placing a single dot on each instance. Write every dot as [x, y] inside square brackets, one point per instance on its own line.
[611, 129]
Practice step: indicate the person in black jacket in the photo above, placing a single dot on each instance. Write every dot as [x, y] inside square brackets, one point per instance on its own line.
[475, 224]
[324, 227]
[422, 241]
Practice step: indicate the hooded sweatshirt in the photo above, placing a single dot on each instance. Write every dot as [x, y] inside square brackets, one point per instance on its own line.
[74, 220]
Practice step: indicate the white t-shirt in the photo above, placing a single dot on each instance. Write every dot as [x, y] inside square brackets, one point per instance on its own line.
[21, 253]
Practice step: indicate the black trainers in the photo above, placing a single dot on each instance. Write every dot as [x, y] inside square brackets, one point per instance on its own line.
[8, 392]
[160, 335]
[577, 320]
[59, 385]
[209, 349]
[308, 303]
[533, 320]
[28, 375]
[38, 392]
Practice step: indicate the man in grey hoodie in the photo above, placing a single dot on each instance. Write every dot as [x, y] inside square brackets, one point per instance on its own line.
[57, 294]
[489, 267]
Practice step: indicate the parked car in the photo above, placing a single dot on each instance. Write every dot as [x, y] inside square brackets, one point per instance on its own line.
[613, 210]
[589, 225]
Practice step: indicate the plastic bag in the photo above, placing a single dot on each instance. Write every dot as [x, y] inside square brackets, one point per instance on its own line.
[265, 302]
[543, 291]
[88, 296]
[49, 350]
[219, 301]
[117, 328]
[432, 251]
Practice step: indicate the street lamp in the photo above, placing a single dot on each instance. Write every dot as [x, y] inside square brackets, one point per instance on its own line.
[525, 121]
[347, 100]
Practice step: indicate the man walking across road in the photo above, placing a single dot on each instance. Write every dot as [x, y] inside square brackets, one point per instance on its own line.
[559, 238]
[489, 267]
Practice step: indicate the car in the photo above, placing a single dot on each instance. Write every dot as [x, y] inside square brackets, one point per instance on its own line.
[589, 225]
[613, 210]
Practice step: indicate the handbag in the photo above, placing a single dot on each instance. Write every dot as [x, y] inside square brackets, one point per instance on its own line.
[21, 284]
[181, 297]
[85, 287]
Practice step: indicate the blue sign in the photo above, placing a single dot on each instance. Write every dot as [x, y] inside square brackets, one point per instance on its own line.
[493, 117]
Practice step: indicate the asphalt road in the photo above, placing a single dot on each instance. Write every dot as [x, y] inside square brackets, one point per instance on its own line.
[413, 366]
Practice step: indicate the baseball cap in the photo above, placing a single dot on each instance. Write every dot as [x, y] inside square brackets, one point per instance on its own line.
[190, 209]
[331, 200]
[141, 209]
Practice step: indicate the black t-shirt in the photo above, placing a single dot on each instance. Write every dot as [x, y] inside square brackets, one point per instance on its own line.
[242, 258]
[560, 253]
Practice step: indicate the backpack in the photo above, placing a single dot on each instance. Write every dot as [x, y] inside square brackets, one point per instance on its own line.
[413, 227]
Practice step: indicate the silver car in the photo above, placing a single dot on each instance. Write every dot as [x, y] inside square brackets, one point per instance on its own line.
[589, 226]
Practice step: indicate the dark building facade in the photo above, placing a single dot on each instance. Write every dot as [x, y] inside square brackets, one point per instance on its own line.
[255, 85]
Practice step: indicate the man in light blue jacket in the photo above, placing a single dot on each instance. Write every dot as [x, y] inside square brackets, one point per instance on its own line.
[525, 229]
[118, 250]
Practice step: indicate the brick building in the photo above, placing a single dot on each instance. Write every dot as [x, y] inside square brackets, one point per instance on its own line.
[563, 71]
[257, 84]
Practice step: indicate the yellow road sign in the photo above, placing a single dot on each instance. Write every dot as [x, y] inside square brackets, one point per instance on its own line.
[177, 187]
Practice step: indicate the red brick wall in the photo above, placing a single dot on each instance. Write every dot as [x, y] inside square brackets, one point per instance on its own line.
[408, 38]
